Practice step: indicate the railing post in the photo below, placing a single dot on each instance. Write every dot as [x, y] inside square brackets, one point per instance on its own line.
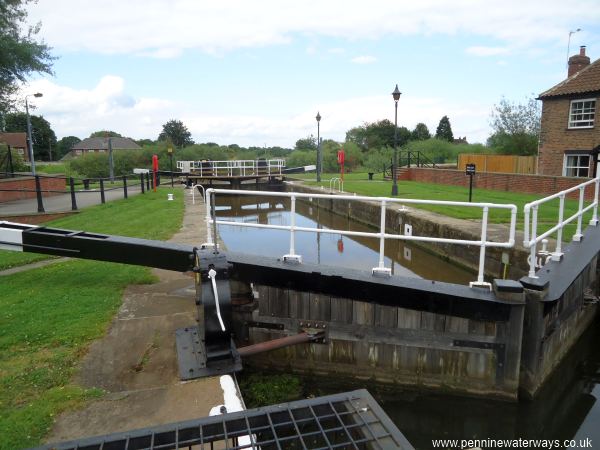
[102, 198]
[148, 181]
[557, 255]
[381, 269]
[124, 186]
[207, 201]
[86, 184]
[292, 256]
[594, 220]
[532, 243]
[578, 234]
[73, 198]
[38, 194]
[481, 271]
[142, 181]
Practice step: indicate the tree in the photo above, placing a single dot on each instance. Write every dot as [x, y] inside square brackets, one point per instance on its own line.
[444, 130]
[176, 132]
[420, 133]
[105, 133]
[20, 53]
[42, 137]
[308, 143]
[516, 127]
[64, 145]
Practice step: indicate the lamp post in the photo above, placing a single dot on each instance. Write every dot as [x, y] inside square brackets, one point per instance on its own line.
[396, 95]
[319, 168]
[569, 44]
[29, 137]
[170, 152]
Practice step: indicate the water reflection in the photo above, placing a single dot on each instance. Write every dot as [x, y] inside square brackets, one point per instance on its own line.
[321, 248]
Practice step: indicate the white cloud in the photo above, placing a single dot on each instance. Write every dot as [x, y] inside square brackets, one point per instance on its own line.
[108, 106]
[164, 28]
[366, 59]
[487, 51]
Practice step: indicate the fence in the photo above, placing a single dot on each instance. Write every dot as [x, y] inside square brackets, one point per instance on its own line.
[75, 188]
[245, 167]
[531, 239]
[499, 163]
[382, 235]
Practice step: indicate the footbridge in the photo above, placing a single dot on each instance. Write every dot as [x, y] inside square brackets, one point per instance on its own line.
[492, 337]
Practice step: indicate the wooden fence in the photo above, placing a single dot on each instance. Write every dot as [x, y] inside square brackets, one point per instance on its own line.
[499, 163]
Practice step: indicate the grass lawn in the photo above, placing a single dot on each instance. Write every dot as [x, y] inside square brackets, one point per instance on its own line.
[48, 316]
[547, 214]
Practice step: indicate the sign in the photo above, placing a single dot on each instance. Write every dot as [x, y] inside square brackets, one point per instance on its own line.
[470, 169]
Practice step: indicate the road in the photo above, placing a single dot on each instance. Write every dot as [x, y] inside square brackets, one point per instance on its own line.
[62, 202]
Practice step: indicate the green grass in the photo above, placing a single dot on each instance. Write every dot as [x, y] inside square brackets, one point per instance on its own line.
[49, 316]
[547, 214]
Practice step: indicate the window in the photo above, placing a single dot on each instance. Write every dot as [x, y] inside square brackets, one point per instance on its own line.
[576, 165]
[582, 113]
[21, 151]
[101, 151]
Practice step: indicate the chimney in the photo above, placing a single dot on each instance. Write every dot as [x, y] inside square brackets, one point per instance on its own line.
[578, 62]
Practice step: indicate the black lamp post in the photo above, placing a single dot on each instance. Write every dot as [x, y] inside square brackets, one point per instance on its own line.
[29, 136]
[319, 168]
[396, 95]
[170, 152]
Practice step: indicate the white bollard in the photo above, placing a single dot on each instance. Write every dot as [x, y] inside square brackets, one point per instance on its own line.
[169, 197]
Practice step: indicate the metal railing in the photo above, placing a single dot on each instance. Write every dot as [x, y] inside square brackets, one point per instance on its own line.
[242, 167]
[382, 235]
[339, 182]
[531, 239]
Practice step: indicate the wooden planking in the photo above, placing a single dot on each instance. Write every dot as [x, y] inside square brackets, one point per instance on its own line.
[341, 310]
[499, 163]
[319, 307]
[299, 305]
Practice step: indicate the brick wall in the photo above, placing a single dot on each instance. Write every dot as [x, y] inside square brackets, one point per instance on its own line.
[24, 187]
[556, 137]
[531, 184]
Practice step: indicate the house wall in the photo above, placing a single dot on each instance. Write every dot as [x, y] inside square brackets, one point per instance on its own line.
[556, 137]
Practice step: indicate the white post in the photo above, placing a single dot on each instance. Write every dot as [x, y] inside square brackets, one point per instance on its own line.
[557, 255]
[381, 269]
[292, 257]
[594, 220]
[484, 221]
[532, 243]
[209, 240]
[578, 235]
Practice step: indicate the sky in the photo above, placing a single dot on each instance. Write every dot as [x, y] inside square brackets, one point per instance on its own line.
[255, 73]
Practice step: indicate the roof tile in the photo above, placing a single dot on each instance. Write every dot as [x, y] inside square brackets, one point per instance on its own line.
[585, 81]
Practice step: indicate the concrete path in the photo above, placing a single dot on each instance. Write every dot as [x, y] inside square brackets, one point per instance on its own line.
[136, 362]
[62, 202]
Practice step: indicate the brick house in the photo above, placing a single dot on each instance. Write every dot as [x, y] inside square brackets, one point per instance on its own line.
[100, 145]
[569, 136]
[17, 143]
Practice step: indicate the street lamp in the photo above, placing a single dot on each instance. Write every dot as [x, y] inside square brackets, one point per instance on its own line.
[29, 139]
[396, 95]
[319, 168]
[569, 44]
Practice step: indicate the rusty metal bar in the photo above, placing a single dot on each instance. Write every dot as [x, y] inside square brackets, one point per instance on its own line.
[261, 347]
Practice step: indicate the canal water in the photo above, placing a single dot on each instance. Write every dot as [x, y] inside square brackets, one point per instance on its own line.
[566, 408]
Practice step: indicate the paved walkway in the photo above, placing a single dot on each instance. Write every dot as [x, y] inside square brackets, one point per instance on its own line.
[62, 202]
[136, 362]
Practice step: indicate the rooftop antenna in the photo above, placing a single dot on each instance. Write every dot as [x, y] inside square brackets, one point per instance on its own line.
[569, 44]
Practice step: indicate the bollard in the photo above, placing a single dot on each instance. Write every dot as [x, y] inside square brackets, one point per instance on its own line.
[124, 186]
[86, 184]
[38, 193]
[148, 181]
[73, 199]
[169, 197]
[102, 199]
[142, 181]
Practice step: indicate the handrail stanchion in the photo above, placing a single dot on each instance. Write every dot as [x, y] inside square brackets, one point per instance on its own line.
[381, 269]
[480, 273]
[594, 220]
[207, 198]
[578, 235]
[557, 255]
[38, 194]
[532, 242]
[73, 198]
[292, 256]
[142, 181]
[102, 198]
[124, 186]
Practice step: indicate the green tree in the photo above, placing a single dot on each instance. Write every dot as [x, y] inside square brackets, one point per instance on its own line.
[64, 145]
[307, 143]
[43, 137]
[176, 132]
[444, 130]
[20, 53]
[515, 126]
[105, 133]
[420, 133]
[379, 134]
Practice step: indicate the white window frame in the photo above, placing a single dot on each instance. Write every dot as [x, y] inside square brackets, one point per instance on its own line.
[572, 124]
[578, 155]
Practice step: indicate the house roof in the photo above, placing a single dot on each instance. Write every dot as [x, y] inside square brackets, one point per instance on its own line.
[17, 140]
[101, 143]
[587, 80]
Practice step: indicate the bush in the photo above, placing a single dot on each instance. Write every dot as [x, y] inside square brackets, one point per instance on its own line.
[17, 160]
[262, 389]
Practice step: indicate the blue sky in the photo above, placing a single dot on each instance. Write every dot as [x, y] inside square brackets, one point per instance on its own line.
[256, 73]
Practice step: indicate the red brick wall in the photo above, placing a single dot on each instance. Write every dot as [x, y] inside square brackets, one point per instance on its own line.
[556, 137]
[35, 219]
[542, 185]
[24, 187]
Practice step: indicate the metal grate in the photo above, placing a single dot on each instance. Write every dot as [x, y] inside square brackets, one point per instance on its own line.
[351, 420]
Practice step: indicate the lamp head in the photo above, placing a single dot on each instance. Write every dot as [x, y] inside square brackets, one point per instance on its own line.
[396, 94]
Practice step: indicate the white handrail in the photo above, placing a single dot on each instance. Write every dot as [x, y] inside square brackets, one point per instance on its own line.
[531, 239]
[241, 167]
[332, 183]
[382, 235]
